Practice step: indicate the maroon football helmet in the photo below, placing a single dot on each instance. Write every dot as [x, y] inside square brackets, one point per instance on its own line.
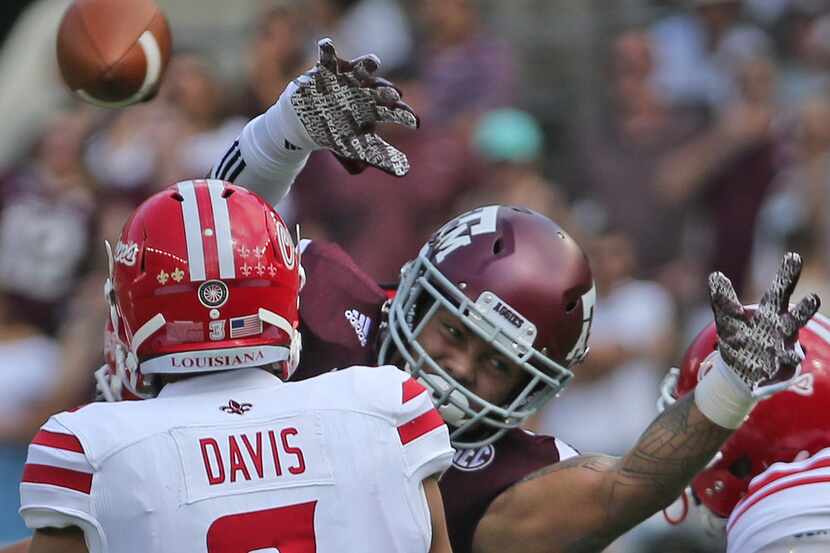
[205, 277]
[794, 420]
[518, 281]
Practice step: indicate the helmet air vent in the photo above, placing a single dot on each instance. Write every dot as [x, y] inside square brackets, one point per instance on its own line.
[742, 467]
[497, 246]
[143, 255]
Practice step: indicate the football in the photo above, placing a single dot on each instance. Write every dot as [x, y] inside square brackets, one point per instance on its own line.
[113, 53]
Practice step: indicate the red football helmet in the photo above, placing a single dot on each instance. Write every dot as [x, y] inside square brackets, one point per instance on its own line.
[205, 277]
[779, 427]
[518, 281]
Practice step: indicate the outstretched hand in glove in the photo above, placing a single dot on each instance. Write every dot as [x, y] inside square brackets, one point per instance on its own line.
[340, 102]
[758, 348]
[761, 345]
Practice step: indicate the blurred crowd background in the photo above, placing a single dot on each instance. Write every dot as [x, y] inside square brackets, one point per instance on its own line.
[670, 138]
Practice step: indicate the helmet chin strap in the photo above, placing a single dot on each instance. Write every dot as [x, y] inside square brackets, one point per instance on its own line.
[109, 290]
[296, 344]
[103, 384]
[145, 331]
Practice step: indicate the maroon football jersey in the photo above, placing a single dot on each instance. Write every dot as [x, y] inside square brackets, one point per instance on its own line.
[479, 475]
[340, 311]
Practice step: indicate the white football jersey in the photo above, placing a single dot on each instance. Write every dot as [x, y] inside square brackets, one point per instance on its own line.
[788, 499]
[239, 461]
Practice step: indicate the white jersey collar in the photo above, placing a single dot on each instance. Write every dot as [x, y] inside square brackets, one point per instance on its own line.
[239, 379]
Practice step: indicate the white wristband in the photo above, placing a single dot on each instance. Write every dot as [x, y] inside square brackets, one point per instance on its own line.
[722, 398]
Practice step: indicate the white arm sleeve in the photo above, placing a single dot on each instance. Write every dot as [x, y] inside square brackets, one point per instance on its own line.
[269, 154]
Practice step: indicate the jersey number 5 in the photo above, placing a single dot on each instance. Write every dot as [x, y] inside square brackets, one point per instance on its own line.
[284, 529]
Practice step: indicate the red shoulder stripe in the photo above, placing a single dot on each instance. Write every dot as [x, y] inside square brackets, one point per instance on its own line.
[56, 476]
[750, 500]
[411, 389]
[58, 441]
[419, 426]
[817, 464]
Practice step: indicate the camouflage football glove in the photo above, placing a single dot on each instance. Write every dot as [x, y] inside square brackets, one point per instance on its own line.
[760, 346]
[339, 103]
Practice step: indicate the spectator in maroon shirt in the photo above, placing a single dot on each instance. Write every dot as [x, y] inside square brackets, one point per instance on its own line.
[47, 221]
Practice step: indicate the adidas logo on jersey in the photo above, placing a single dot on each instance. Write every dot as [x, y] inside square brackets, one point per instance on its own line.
[361, 324]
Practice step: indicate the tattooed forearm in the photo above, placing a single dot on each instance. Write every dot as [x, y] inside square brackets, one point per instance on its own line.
[675, 447]
[609, 495]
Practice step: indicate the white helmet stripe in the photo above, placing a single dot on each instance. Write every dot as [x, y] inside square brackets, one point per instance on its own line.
[821, 320]
[222, 222]
[589, 300]
[192, 232]
[820, 330]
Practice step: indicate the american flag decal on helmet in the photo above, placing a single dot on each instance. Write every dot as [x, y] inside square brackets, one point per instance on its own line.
[245, 326]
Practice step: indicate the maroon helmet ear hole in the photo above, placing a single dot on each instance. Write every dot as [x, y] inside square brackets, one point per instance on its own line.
[570, 307]
[497, 246]
[227, 192]
[742, 467]
[176, 196]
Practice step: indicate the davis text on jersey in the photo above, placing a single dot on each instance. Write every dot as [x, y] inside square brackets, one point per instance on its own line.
[226, 462]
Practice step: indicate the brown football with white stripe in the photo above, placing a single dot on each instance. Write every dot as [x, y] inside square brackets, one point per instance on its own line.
[113, 53]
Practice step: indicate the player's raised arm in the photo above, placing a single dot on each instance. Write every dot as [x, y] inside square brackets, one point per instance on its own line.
[336, 106]
[606, 496]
